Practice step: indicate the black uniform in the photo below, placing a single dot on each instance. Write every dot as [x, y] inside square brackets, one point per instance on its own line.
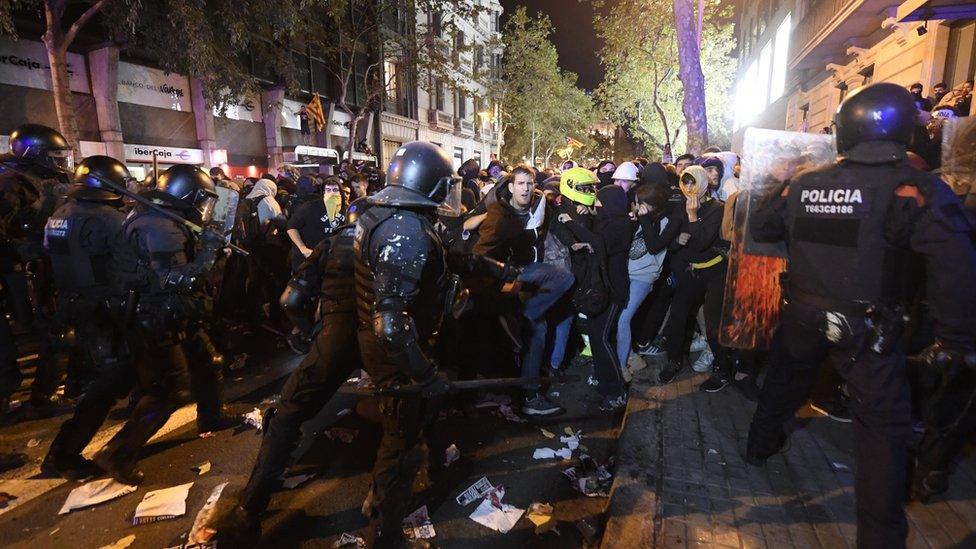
[84, 241]
[331, 360]
[848, 227]
[166, 275]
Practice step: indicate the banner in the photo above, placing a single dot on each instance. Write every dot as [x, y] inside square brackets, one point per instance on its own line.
[289, 114]
[24, 63]
[153, 88]
[341, 122]
[248, 109]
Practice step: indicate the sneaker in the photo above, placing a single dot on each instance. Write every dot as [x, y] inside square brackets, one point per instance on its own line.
[669, 372]
[539, 405]
[612, 404]
[649, 349]
[698, 344]
[715, 383]
[838, 410]
[704, 362]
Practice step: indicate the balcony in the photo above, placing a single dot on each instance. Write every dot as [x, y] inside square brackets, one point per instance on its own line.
[830, 26]
[463, 127]
[440, 120]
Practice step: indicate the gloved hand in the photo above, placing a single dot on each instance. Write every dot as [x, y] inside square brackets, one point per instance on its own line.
[436, 385]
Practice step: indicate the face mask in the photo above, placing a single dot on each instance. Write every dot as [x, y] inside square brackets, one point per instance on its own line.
[332, 201]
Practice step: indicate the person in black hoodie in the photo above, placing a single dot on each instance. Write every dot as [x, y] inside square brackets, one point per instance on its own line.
[610, 242]
[514, 232]
[699, 260]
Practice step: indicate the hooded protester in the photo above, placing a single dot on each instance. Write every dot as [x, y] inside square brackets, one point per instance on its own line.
[604, 172]
[729, 181]
[608, 245]
[269, 211]
[469, 171]
[714, 170]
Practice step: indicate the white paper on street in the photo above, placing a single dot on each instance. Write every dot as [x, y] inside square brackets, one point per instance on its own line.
[571, 442]
[200, 533]
[475, 491]
[296, 480]
[202, 468]
[451, 454]
[162, 504]
[417, 525]
[500, 519]
[549, 453]
[95, 492]
[120, 544]
[254, 418]
[349, 540]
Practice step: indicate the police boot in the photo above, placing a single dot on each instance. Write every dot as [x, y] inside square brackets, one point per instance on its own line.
[119, 468]
[216, 422]
[68, 467]
[45, 407]
[759, 449]
[929, 484]
[234, 526]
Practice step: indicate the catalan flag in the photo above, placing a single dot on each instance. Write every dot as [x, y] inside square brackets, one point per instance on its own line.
[316, 113]
[572, 143]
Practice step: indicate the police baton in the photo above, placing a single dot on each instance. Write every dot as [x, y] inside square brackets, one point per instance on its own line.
[157, 208]
[415, 389]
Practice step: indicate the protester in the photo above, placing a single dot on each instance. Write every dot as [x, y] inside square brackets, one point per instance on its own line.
[315, 221]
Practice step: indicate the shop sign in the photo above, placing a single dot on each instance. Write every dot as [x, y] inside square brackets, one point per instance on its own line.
[153, 88]
[164, 155]
[24, 63]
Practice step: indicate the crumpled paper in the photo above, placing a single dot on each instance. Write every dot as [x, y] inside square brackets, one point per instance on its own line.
[451, 454]
[200, 533]
[254, 418]
[349, 540]
[95, 492]
[492, 513]
[163, 504]
[572, 442]
[541, 516]
[417, 525]
[475, 491]
[549, 453]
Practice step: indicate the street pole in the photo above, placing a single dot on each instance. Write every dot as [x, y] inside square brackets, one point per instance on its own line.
[532, 159]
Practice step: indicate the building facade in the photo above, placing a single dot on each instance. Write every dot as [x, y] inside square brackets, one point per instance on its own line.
[455, 115]
[800, 58]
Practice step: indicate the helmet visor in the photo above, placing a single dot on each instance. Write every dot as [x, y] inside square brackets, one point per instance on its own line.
[63, 159]
[451, 205]
[204, 204]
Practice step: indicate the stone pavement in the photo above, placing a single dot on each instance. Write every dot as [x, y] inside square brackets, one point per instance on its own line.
[682, 481]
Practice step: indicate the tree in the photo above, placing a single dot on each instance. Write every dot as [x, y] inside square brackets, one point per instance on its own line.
[542, 102]
[642, 91]
[690, 72]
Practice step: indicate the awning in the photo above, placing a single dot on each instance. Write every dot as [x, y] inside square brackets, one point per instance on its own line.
[931, 10]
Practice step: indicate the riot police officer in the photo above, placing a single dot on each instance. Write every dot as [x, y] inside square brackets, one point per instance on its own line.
[848, 227]
[326, 276]
[404, 287]
[33, 177]
[166, 279]
[84, 240]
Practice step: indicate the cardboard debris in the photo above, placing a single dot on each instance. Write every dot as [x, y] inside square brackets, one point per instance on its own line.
[341, 434]
[549, 453]
[93, 493]
[200, 533]
[296, 480]
[492, 513]
[541, 516]
[121, 544]
[254, 418]
[589, 478]
[32, 443]
[417, 525]
[202, 468]
[548, 434]
[164, 504]
[451, 454]
[475, 491]
[349, 540]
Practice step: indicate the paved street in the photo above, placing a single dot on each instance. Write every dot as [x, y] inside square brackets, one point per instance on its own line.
[315, 514]
[682, 480]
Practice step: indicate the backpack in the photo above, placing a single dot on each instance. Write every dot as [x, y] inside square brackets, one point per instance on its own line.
[592, 295]
[247, 227]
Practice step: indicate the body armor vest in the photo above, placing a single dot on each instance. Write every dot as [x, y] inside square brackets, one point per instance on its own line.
[76, 268]
[836, 222]
[338, 276]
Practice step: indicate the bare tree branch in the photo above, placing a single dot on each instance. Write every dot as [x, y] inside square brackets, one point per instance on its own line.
[69, 36]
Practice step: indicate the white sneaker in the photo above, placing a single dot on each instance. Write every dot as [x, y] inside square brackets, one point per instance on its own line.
[698, 343]
[704, 362]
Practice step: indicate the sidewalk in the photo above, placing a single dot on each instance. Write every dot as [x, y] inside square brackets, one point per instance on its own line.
[681, 480]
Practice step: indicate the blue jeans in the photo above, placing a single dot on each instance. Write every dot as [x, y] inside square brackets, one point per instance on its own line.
[544, 284]
[560, 339]
[638, 292]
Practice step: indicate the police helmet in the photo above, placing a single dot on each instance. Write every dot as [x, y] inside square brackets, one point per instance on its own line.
[96, 178]
[421, 175]
[877, 112]
[43, 145]
[187, 188]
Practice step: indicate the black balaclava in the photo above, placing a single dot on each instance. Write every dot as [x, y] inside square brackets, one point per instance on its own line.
[603, 174]
[613, 201]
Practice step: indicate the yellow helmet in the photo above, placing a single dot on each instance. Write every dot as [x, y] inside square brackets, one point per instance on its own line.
[577, 184]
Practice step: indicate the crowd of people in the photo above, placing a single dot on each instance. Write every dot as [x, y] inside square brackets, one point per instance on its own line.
[132, 288]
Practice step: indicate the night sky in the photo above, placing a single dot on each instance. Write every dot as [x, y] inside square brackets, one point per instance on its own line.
[574, 37]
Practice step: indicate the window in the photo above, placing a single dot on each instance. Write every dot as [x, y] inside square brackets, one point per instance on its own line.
[458, 156]
[437, 96]
[391, 80]
[781, 50]
[461, 105]
[458, 40]
[762, 82]
[436, 23]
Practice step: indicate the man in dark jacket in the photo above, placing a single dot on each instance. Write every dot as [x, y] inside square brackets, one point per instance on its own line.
[514, 232]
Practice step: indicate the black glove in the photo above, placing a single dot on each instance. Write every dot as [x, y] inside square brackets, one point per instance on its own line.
[435, 385]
